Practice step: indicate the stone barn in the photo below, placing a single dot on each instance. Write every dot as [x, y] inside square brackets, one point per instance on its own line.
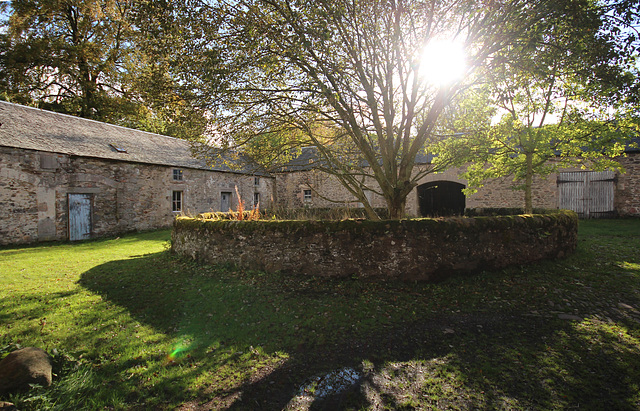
[589, 193]
[69, 178]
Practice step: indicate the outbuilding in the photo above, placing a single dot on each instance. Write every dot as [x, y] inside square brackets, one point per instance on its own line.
[69, 178]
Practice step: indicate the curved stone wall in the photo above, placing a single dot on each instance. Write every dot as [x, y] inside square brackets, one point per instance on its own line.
[417, 249]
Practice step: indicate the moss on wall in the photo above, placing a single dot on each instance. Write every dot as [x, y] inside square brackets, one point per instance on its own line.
[414, 249]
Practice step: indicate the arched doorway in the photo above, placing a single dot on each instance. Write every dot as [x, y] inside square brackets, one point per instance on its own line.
[441, 198]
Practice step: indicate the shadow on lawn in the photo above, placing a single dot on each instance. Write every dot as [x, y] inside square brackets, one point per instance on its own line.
[411, 337]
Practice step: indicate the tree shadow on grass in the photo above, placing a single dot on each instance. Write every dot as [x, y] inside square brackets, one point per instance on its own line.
[257, 338]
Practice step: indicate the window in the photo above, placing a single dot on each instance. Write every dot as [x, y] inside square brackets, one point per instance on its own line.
[177, 174]
[118, 148]
[256, 199]
[256, 181]
[176, 201]
[307, 196]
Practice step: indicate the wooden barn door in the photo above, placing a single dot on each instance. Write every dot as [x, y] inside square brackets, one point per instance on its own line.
[225, 201]
[588, 193]
[79, 217]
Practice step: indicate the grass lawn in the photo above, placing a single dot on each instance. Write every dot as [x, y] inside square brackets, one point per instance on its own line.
[134, 327]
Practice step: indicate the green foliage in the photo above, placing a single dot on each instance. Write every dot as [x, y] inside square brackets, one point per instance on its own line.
[562, 93]
[511, 149]
[66, 56]
[110, 61]
[346, 79]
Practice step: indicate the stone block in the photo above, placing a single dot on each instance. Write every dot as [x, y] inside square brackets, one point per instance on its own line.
[26, 366]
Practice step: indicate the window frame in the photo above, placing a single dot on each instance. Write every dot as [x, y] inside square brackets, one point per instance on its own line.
[177, 201]
[307, 195]
[178, 174]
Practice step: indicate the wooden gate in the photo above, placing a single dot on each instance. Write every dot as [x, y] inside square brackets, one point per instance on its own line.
[79, 217]
[588, 193]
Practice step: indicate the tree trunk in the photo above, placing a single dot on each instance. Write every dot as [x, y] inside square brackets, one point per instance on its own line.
[371, 213]
[396, 206]
[528, 182]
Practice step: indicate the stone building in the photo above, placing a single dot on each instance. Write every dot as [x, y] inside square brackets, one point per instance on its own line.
[590, 193]
[68, 178]
[64, 177]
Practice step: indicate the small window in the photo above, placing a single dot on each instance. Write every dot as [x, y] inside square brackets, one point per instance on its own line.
[118, 148]
[307, 196]
[176, 201]
[177, 174]
[256, 181]
[256, 199]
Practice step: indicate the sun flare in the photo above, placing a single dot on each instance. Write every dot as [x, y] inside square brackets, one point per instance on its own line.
[442, 62]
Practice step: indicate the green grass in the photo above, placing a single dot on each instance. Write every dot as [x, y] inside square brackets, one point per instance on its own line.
[138, 328]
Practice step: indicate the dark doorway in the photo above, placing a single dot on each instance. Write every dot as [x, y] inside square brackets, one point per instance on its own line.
[441, 198]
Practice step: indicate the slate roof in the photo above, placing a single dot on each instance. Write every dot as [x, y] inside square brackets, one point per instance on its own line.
[36, 129]
[308, 159]
[633, 146]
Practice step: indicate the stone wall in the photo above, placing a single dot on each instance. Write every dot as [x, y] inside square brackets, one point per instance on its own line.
[126, 196]
[496, 193]
[328, 192]
[420, 249]
[627, 194]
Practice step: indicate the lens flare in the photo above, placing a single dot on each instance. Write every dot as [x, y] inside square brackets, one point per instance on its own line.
[176, 353]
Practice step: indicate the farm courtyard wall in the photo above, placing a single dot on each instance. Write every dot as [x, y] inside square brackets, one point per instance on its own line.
[627, 194]
[410, 249]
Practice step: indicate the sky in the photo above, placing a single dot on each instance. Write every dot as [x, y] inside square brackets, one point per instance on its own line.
[3, 16]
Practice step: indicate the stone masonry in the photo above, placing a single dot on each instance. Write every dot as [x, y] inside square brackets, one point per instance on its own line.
[126, 196]
[496, 193]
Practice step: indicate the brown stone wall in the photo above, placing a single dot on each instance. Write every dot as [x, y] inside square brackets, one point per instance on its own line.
[19, 197]
[34, 189]
[419, 249]
[326, 191]
[627, 194]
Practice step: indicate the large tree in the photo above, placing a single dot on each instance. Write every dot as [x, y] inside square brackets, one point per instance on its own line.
[118, 61]
[67, 54]
[565, 96]
[353, 79]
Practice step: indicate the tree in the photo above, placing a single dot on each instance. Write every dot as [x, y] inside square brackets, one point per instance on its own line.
[563, 95]
[169, 39]
[67, 54]
[109, 60]
[347, 77]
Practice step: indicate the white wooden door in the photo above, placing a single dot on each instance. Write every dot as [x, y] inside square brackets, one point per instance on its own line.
[79, 217]
[588, 193]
